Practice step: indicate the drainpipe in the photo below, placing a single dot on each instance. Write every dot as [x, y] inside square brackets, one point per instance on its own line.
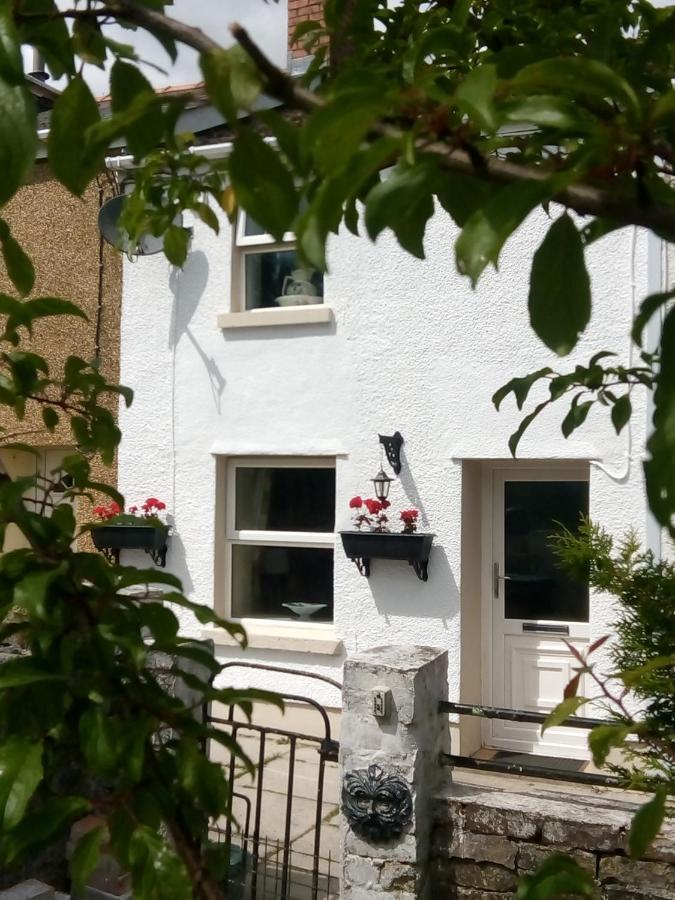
[657, 275]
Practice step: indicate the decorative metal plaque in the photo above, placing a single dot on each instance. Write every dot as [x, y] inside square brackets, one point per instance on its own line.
[376, 805]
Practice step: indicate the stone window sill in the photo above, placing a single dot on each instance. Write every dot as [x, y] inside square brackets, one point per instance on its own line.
[289, 636]
[288, 315]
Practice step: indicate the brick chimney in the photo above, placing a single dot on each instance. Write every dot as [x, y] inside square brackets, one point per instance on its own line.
[301, 11]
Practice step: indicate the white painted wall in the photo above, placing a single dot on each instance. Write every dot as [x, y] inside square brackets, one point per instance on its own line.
[413, 348]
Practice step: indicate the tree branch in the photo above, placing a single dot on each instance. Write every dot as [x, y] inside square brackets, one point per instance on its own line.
[585, 199]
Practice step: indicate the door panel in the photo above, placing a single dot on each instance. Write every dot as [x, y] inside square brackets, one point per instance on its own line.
[534, 604]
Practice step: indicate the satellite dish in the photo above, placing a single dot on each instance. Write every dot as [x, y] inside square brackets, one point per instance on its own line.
[108, 219]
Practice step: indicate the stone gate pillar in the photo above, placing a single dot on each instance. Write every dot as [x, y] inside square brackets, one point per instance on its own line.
[390, 739]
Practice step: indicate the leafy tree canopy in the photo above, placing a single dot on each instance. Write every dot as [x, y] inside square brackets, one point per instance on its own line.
[487, 109]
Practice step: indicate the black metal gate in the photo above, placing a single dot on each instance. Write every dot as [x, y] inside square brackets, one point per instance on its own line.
[282, 835]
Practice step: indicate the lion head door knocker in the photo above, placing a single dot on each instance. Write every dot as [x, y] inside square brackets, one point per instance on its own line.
[377, 806]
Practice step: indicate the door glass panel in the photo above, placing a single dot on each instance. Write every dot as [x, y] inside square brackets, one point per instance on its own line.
[534, 587]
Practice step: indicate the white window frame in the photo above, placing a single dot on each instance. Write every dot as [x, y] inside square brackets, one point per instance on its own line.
[246, 245]
[227, 536]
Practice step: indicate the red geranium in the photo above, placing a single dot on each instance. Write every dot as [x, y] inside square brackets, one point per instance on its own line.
[409, 518]
[373, 506]
[355, 503]
[107, 510]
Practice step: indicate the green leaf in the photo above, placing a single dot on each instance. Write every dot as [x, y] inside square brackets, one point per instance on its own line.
[84, 858]
[578, 76]
[156, 870]
[245, 80]
[176, 244]
[563, 711]
[216, 70]
[632, 677]
[137, 111]
[461, 195]
[647, 823]
[88, 42]
[31, 594]
[74, 112]
[20, 774]
[11, 68]
[475, 96]
[335, 131]
[100, 739]
[262, 183]
[544, 111]
[19, 672]
[18, 135]
[17, 262]
[403, 202]
[486, 231]
[621, 412]
[560, 291]
[605, 738]
[557, 876]
[659, 468]
[38, 829]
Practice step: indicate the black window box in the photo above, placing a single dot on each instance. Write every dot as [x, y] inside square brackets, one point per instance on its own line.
[110, 539]
[362, 546]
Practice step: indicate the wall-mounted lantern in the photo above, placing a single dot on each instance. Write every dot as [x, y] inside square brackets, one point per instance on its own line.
[381, 483]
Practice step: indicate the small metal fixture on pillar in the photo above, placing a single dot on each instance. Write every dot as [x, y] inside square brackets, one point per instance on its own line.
[392, 447]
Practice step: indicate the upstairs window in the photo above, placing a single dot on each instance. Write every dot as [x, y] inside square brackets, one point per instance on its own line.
[279, 536]
[267, 273]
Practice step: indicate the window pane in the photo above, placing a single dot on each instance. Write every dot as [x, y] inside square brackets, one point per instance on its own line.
[251, 227]
[535, 588]
[285, 499]
[265, 578]
[275, 278]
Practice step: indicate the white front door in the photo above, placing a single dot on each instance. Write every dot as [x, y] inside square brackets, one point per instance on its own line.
[534, 604]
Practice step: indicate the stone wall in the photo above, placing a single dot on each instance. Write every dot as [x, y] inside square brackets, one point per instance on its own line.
[489, 834]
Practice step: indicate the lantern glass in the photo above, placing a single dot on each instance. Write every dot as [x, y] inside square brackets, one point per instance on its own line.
[381, 482]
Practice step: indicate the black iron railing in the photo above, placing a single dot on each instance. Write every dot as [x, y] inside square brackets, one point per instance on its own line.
[522, 768]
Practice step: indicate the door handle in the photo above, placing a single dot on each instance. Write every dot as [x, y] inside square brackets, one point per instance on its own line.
[496, 578]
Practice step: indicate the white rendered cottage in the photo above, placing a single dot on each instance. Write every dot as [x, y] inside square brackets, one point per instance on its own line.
[259, 395]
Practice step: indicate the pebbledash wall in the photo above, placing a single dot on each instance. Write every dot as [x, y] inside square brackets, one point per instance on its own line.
[412, 348]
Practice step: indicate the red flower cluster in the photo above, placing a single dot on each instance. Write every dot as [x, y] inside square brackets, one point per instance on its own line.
[376, 506]
[374, 517]
[150, 509]
[107, 510]
[409, 518]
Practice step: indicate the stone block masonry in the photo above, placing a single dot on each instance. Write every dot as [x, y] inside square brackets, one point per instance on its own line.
[390, 770]
[491, 831]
